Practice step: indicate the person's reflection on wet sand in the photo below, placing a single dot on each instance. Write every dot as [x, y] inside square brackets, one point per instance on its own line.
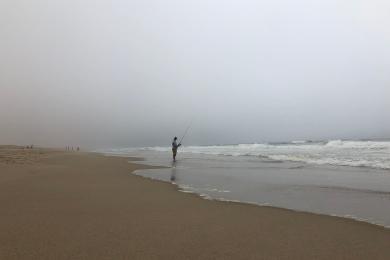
[173, 171]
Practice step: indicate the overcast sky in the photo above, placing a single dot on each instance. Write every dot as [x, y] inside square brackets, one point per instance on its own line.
[135, 73]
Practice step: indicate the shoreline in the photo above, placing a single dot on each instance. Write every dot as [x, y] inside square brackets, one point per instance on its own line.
[346, 192]
[89, 206]
[208, 198]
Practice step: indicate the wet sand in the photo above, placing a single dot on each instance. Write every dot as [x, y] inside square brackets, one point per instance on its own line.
[69, 205]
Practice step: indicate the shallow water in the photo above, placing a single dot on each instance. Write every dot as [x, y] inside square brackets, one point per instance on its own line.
[352, 192]
[370, 154]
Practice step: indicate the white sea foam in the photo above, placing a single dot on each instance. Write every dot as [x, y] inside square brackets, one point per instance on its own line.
[373, 154]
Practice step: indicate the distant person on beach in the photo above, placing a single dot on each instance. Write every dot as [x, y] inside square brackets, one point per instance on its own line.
[174, 148]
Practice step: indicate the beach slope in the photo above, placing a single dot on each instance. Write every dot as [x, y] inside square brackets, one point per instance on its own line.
[69, 205]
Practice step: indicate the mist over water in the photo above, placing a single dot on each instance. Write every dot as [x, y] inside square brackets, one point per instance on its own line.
[136, 73]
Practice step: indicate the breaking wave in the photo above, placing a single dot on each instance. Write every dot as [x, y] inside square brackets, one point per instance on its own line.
[372, 154]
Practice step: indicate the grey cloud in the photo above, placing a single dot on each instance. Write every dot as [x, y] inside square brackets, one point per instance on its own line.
[124, 73]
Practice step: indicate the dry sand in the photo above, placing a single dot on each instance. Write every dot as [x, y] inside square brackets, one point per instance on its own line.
[69, 205]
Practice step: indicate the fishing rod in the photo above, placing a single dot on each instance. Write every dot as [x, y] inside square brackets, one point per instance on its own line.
[185, 133]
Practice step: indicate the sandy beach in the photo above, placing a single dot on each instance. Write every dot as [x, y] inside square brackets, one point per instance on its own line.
[75, 205]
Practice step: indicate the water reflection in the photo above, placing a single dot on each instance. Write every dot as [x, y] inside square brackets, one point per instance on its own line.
[173, 171]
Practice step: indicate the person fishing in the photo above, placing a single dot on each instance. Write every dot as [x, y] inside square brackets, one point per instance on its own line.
[174, 148]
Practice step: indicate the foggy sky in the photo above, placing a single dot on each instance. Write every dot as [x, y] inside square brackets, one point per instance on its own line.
[135, 73]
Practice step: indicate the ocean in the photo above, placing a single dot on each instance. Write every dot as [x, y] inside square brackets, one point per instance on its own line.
[343, 178]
